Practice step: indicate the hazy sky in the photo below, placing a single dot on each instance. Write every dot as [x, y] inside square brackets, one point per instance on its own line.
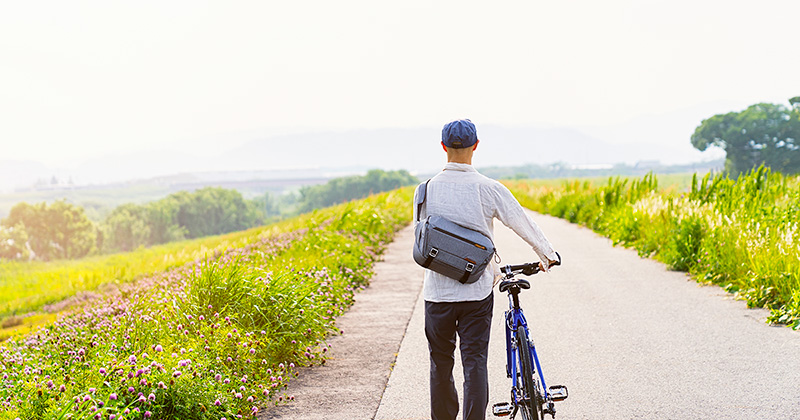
[86, 78]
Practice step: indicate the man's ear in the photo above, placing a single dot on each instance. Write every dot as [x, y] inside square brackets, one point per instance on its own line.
[476, 144]
[444, 147]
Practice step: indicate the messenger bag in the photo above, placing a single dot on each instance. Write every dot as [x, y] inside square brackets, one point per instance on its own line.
[448, 248]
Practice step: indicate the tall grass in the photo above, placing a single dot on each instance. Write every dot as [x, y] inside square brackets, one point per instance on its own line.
[215, 338]
[741, 234]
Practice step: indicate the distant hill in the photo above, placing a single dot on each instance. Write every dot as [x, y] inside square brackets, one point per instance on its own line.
[325, 154]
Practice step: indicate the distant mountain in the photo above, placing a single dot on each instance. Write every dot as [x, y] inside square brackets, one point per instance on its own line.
[324, 154]
[419, 149]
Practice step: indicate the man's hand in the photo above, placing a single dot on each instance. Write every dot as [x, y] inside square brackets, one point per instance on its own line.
[547, 263]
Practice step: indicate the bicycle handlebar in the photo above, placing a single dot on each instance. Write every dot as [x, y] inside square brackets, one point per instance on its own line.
[527, 269]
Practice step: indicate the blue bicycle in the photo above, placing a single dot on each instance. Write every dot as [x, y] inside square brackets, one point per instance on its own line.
[529, 393]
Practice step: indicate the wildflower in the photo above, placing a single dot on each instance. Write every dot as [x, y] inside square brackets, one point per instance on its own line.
[217, 402]
[176, 374]
[112, 396]
[147, 414]
[159, 348]
[151, 397]
[102, 371]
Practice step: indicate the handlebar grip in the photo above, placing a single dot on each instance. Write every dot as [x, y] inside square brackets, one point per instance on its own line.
[556, 262]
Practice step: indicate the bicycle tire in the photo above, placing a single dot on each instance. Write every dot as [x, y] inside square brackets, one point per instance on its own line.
[531, 398]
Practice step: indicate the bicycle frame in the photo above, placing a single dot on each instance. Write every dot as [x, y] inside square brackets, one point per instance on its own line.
[515, 361]
[514, 319]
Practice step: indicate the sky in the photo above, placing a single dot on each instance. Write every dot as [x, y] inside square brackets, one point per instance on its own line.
[81, 79]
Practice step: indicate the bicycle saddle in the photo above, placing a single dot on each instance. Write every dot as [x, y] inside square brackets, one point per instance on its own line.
[522, 283]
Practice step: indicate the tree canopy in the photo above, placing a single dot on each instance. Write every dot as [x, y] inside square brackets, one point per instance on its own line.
[764, 133]
[348, 188]
[56, 231]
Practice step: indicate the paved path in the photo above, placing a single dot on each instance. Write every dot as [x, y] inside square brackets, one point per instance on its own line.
[630, 339]
[350, 385]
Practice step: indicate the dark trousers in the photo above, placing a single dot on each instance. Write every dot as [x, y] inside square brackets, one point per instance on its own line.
[472, 321]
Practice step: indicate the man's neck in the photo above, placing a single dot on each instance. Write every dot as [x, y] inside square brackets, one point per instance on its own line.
[467, 160]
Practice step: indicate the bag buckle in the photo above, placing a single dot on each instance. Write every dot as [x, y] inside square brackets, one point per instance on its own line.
[434, 252]
[470, 267]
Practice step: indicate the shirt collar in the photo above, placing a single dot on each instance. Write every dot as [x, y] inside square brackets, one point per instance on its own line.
[461, 167]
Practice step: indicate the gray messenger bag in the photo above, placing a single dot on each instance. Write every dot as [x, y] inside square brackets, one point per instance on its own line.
[450, 249]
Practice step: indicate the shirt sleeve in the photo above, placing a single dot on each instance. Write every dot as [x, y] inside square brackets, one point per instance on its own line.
[510, 212]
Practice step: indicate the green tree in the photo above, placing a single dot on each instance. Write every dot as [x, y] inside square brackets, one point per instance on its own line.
[162, 219]
[14, 242]
[767, 134]
[212, 211]
[60, 230]
[348, 188]
[126, 228]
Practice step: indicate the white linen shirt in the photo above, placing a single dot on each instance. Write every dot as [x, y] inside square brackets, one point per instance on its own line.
[462, 195]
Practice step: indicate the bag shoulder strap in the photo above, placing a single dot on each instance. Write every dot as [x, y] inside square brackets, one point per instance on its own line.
[422, 193]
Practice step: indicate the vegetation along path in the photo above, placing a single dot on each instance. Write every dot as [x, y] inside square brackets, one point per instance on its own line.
[629, 338]
[351, 383]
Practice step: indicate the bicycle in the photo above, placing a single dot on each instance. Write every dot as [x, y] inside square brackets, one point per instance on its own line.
[528, 394]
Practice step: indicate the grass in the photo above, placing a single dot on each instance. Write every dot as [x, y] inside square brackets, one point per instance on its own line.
[29, 286]
[218, 337]
[740, 234]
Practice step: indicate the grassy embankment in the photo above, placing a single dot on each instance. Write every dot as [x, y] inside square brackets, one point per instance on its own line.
[212, 337]
[740, 234]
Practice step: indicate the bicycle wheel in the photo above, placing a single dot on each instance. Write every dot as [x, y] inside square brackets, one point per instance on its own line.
[531, 395]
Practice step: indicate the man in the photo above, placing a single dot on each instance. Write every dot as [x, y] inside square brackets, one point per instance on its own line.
[462, 195]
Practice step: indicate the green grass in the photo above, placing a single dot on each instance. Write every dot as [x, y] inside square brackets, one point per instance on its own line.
[28, 286]
[740, 234]
[217, 337]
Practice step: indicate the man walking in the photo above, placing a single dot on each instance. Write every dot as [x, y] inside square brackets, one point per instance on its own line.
[462, 195]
